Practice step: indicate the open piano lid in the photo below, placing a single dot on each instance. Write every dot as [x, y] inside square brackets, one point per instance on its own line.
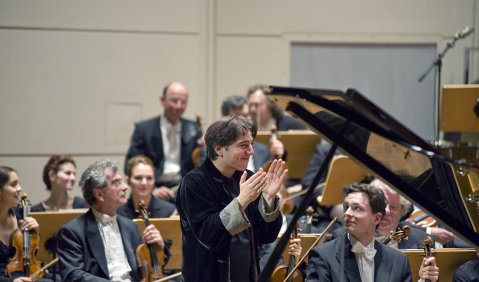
[444, 188]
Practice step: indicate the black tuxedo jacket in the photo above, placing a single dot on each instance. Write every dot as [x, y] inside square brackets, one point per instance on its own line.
[147, 140]
[324, 264]
[82, 253]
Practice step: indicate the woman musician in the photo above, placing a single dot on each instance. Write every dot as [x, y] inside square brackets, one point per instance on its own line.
[141, 179]
[10, 221]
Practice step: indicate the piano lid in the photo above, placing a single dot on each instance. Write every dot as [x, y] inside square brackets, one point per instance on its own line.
[446, 189]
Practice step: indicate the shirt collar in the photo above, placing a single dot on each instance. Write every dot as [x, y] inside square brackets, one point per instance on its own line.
[102, 218]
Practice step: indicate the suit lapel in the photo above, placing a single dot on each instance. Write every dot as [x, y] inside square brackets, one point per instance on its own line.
[95, 242]
[127, 245]
[157, 141]
[382, 265]
[351, 269]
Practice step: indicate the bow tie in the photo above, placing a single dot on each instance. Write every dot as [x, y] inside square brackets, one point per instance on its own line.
[369, 253]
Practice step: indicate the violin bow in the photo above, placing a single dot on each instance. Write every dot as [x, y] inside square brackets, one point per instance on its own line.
[310, 248]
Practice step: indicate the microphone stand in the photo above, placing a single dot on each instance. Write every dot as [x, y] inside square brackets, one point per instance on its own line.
[437, 95]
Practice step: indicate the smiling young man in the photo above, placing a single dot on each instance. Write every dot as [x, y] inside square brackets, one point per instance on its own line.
[226, 211]
[357, 256]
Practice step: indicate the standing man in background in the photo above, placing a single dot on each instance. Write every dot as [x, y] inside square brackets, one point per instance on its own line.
[168, 140]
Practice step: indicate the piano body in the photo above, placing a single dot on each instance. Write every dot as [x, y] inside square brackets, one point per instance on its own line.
[446, 189]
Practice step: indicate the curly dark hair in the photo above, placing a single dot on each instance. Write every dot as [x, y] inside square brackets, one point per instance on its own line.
[225, 131]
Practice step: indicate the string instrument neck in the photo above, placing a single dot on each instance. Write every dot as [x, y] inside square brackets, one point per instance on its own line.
[148, 253]
[26, 244]
[428, 243]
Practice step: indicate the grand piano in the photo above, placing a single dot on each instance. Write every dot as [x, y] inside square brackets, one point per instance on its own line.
[446, 189]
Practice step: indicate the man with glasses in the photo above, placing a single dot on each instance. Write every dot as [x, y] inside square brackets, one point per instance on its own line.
[100, 245]
[396, 207]
[168, 140]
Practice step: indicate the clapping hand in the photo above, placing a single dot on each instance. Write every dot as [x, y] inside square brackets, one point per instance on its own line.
[250, 189]
[274, 179]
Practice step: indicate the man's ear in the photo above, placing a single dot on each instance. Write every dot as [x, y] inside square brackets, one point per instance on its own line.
[219, 150]
[98, 194]
[377, 218]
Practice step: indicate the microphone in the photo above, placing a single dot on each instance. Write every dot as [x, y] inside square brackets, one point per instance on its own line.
[463, 33]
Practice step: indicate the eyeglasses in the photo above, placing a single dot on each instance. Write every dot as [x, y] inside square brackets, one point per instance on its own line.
[394, 208]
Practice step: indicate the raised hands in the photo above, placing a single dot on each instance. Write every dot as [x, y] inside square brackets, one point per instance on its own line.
[261, 182]
[274, 179]
[250, 189]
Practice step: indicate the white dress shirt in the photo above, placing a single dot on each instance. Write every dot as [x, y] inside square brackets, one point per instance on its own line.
[118, 266]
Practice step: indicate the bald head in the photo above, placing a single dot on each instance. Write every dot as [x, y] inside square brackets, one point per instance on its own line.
[174, 100]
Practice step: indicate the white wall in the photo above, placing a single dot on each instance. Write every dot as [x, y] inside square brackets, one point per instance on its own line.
[76, 75]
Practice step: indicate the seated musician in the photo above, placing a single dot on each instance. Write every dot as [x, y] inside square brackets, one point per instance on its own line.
[100, 245]
[59, 176]
[363, 258]
[395, 208]
[10, 190]
[468, 271]
[141, 178]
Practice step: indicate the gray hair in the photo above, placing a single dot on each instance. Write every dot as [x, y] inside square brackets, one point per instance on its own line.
[94, 177]
[405, 204]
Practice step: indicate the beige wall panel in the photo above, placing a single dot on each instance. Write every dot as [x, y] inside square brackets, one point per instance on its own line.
[244, 61]
[442, 17]
[56, 86]
[144, 15]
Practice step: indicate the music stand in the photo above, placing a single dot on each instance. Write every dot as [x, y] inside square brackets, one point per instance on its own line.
[343, 171]
[50, 222]
[300, 145]
[447, 259]
[170, 230]
[457, 109]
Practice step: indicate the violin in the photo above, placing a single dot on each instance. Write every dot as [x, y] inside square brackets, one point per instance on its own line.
[399, 235]
[427, 250]
[26, 244]
[420, 218]
[281, 272]
[196, 154]
[150, 257]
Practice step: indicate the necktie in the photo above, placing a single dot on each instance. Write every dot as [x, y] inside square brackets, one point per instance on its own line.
[172, 138]
[367, 261]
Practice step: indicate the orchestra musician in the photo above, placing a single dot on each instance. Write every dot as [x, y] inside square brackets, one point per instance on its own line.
[266, 113]
[168, 140]
[100, 245]
[10, 221]
[364, 258]
[226, 211]
[396, 207]
[59, 176]
[141, 179]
